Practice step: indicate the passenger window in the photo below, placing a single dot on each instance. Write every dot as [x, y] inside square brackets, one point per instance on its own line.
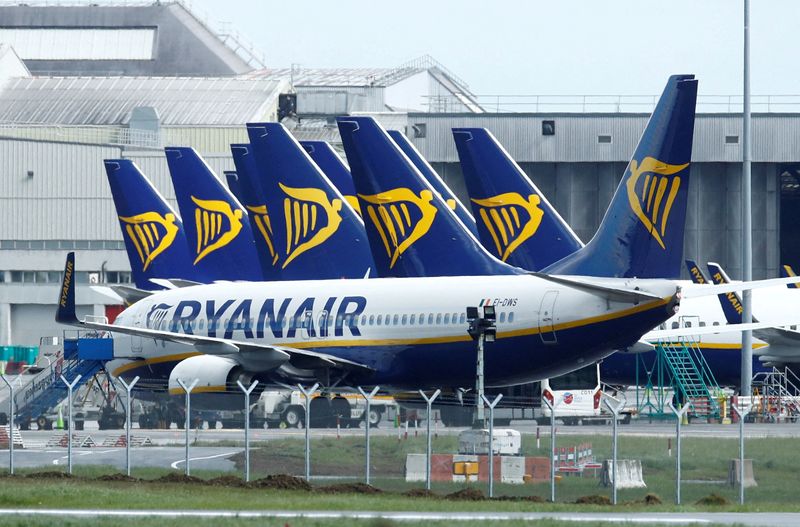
[404, 320]
[674, 325]
[201, 324]
[702, 324]
[511, 317]
[421, 318]
[411, 320]
[438, 319]
[688, 324]
[462, 319]
[715, 324]
[363, 320]
[387, 320]
[430, 319]
[502, 317]
[380, 319]
[371, 319]
[447, 318]
[395, 320]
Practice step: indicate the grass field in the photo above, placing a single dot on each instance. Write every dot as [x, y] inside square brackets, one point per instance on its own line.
[705, 466]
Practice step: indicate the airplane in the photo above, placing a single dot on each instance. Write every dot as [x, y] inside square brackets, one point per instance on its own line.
[326, 158]
[434, 180]
[218, 232]
[515, 219]
[786, 270]
[155, 240]
[315, 230]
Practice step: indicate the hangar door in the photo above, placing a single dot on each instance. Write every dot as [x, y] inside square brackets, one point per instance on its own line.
[790, 215]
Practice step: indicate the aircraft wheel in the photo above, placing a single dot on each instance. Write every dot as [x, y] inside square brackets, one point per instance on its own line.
[293, 416]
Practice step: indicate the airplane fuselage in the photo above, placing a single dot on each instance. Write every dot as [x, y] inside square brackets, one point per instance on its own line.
[411, 332]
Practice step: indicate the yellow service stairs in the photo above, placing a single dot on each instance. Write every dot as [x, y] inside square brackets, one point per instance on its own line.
[692, 379]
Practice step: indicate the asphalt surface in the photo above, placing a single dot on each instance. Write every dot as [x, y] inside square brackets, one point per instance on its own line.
[755, 519]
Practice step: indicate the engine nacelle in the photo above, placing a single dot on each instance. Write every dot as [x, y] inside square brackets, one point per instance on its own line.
[216, 387]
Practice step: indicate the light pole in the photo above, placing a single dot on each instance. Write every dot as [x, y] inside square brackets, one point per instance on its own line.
[481, 329]
[747, 220]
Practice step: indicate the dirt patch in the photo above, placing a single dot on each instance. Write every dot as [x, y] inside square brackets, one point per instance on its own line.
[226, 481]
[178, 478]
[468, 494]
[49, 475]
[714, 500]
[420, 493]
[594, 499]
[652, 499]
[349, 488]
[530, 499]
[281, 482]
[119, 477]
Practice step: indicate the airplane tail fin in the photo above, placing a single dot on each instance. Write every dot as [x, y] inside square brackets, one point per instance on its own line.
[786, 271]
[411, 230]
[326, 158]
[731, 302]
[232, 179]
[434, 179]
[317, 232]
[516, 223]
[217, 227]
[642, 232]
[251, 196]
[697, 274]
[65, 313]
[154, 236]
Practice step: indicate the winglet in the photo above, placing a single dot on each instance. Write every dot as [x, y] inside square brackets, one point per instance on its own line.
[731, 302]
[66, 295]
[697, 275]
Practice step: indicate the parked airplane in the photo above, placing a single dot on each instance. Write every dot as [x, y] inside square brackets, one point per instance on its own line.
[218, 232]
[153, 232]
[334, 168]
[316, 231]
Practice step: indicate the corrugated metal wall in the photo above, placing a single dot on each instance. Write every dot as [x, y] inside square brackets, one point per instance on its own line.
[776, 137]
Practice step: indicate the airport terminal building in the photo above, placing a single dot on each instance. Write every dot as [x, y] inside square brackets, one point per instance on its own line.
[80, 84]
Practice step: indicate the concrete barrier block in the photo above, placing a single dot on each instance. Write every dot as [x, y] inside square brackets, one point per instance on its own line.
[629, 473]
[749, 476]
[538, 468]
[512, 469]
[415, 467]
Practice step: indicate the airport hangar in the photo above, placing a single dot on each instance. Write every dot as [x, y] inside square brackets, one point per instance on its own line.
[79, 84]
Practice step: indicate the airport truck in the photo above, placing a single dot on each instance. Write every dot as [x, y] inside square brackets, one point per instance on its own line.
[284, 408]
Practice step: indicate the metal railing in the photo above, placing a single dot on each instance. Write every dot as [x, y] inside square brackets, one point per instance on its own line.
[522, 103]
[104, 135]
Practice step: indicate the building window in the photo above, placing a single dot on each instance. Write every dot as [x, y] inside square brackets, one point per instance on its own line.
[731, 139]
[604, 139]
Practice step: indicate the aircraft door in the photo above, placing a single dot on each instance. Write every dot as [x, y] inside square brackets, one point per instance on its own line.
[325, 324]
[136, 340]
[546, 317]
[307, 325]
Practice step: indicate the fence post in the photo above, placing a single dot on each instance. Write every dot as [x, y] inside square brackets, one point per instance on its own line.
[307, 395]
[679, 415]
[128, 388]
[429, 403]
[368, 397]
[71, 425]
[614, 418]
[491, 406]
[552, 409]
[247, 392]
[188, 389]
[742, 414]
[11, 419]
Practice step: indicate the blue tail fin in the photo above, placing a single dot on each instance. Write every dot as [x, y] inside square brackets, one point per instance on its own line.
[153, 232]
[641, 234]
[697, 274]
[251, 195]
[317, 233]
[334, 168]
[731, 302]
[412, 232]
[516, 223]
[787, 271]
[434, 180]
[232, 179]
[217, 228]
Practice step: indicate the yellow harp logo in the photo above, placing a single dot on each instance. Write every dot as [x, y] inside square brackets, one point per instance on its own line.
[259, 212]
[651, 197]
[401, 218]
[151, 234]
[310, 219]
[211, 217]
[510, 219]
[353, 201]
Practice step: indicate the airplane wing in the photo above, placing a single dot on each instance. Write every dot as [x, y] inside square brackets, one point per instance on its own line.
[174, 283]
[705, 290]
[611, 293]
[262, 356]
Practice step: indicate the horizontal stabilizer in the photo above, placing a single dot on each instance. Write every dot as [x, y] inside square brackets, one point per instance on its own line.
[705, 290]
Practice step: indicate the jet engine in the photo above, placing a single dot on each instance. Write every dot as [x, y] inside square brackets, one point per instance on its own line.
[216, 387]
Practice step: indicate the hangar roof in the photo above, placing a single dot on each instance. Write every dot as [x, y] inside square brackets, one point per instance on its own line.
[109, 100]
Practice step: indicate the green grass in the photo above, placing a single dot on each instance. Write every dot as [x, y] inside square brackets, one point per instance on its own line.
[27, 521]
[777, 470]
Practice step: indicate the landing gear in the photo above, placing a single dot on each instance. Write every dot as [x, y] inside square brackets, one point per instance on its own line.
[294, 416]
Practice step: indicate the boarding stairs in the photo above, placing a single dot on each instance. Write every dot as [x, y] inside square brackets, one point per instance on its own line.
[119, 441]
[44, 390]
[692, 379]
[78, 441]
[776, 394]
[16, 436]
